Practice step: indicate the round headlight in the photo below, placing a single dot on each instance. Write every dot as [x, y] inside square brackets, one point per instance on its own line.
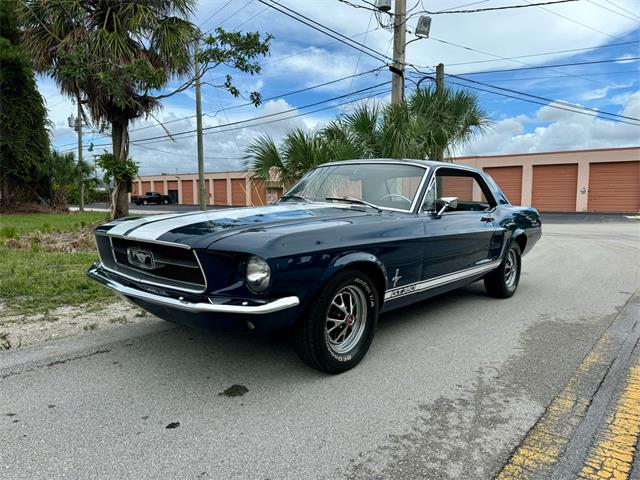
[258, 273]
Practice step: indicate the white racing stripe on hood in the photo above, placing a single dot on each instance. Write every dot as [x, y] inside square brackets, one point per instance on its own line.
[123, 227]
[155, 229]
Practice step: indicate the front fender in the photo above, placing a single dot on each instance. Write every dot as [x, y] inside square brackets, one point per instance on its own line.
[353, 259]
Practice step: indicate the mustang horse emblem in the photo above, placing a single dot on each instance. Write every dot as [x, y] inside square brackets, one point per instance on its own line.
[141, 258]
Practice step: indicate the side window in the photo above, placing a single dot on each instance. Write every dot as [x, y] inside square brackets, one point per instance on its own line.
[470, 190]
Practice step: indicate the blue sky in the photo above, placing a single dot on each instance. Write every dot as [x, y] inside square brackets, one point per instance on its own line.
[302, 57]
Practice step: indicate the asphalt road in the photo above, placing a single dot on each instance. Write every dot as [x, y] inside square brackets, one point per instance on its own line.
[449, 389]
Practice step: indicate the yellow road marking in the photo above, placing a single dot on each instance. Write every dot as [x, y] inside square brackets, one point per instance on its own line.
[544, 443]
[612, 456]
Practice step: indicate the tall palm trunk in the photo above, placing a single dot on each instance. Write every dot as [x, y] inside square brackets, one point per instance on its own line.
[119, 143]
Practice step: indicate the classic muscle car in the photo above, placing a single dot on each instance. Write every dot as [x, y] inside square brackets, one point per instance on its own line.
[348, 241]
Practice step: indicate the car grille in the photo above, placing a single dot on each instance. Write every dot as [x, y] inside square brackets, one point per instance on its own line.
[152, 263]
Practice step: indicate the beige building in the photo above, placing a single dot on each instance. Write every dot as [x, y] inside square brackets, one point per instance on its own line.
[602, 180]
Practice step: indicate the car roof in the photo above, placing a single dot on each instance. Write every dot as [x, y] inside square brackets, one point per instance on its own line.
[402, 161]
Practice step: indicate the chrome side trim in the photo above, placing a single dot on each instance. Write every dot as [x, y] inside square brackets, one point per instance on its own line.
[181, 304]
[418, 287]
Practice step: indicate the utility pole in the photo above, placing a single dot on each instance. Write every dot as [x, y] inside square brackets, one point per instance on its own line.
[201, 185]
[79, 130]
[440, 78]
[439, 153]
[399, 45]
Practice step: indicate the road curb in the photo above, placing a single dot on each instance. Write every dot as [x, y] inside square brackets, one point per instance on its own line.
[558, 443]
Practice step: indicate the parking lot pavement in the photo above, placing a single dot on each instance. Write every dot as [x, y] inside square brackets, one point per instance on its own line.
[452, 387]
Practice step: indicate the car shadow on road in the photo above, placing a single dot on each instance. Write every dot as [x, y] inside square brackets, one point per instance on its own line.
[185, 354]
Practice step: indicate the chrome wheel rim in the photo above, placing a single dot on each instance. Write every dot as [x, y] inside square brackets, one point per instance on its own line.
[511, 269]
[346, 319]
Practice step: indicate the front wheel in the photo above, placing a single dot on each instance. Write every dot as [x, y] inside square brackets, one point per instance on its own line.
[335, 333]
[144, 202]
[504, 280]
[165, 202]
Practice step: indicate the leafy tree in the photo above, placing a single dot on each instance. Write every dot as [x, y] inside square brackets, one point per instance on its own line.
[427, 123]
[24, 140]
[115, 56]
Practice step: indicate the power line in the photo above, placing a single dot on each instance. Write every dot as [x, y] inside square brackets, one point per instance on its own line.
[329, 31]
[610, 2]
[273, 97]
[452, 11]
[236, 12]
[251, 18]
[570, 19]
[630, 59]
[553, 103]
[185, 154]
[506, 7]
[238, 122]
[538, 97]
[540, 54]
[521, 79]
[213, 127]
[541, 103]
[613, 11]
[504, 58]
[301, 114]
[215, 13]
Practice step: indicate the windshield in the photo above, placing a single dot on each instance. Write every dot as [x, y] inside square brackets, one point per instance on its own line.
[385, 185]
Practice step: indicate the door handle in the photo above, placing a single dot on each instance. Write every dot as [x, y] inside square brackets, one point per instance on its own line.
[487, 219]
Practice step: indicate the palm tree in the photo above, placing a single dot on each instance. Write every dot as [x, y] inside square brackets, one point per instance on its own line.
[425, 125]
[63, 171]
[111, 55]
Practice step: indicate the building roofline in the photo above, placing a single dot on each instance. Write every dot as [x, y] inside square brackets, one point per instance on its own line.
[546, 153]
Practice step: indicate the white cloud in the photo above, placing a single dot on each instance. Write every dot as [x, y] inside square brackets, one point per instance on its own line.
[566, 131]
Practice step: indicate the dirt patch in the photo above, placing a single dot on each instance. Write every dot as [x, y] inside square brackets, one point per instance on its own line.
[22, 330]
[67, 242]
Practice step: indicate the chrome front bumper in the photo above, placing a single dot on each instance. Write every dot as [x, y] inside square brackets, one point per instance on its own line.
[96, 273]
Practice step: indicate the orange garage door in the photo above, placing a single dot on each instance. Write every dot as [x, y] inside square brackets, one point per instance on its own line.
[614, 187]
[187, 192]
[509, 179]
[554, 187]
[220, 192]
[146, 187]
[238, 195]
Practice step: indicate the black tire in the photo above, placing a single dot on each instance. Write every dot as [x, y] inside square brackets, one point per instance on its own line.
[503, 281]
[165, 202]
[144, 202]
[319, 349]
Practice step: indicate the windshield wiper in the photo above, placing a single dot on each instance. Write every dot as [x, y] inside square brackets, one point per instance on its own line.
[355, 200]
[296, 197]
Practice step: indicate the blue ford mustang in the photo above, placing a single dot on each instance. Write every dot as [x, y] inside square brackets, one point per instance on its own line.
[350, 240]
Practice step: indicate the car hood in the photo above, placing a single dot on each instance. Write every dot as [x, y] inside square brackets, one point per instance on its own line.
[201, 229]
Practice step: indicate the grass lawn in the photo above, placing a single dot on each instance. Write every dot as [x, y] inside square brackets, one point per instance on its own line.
[35, 280]
[16, 225]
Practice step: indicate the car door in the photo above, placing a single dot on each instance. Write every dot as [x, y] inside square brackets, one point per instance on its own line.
[462, 238]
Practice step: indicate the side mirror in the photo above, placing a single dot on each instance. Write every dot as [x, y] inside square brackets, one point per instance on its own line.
[447, 202]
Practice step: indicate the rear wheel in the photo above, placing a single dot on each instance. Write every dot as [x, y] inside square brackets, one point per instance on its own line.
[504, 280]
[335, 333]
[165, 201]
[144, 202]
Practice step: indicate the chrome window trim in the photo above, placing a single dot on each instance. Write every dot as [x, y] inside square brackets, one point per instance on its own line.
[463, 168]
